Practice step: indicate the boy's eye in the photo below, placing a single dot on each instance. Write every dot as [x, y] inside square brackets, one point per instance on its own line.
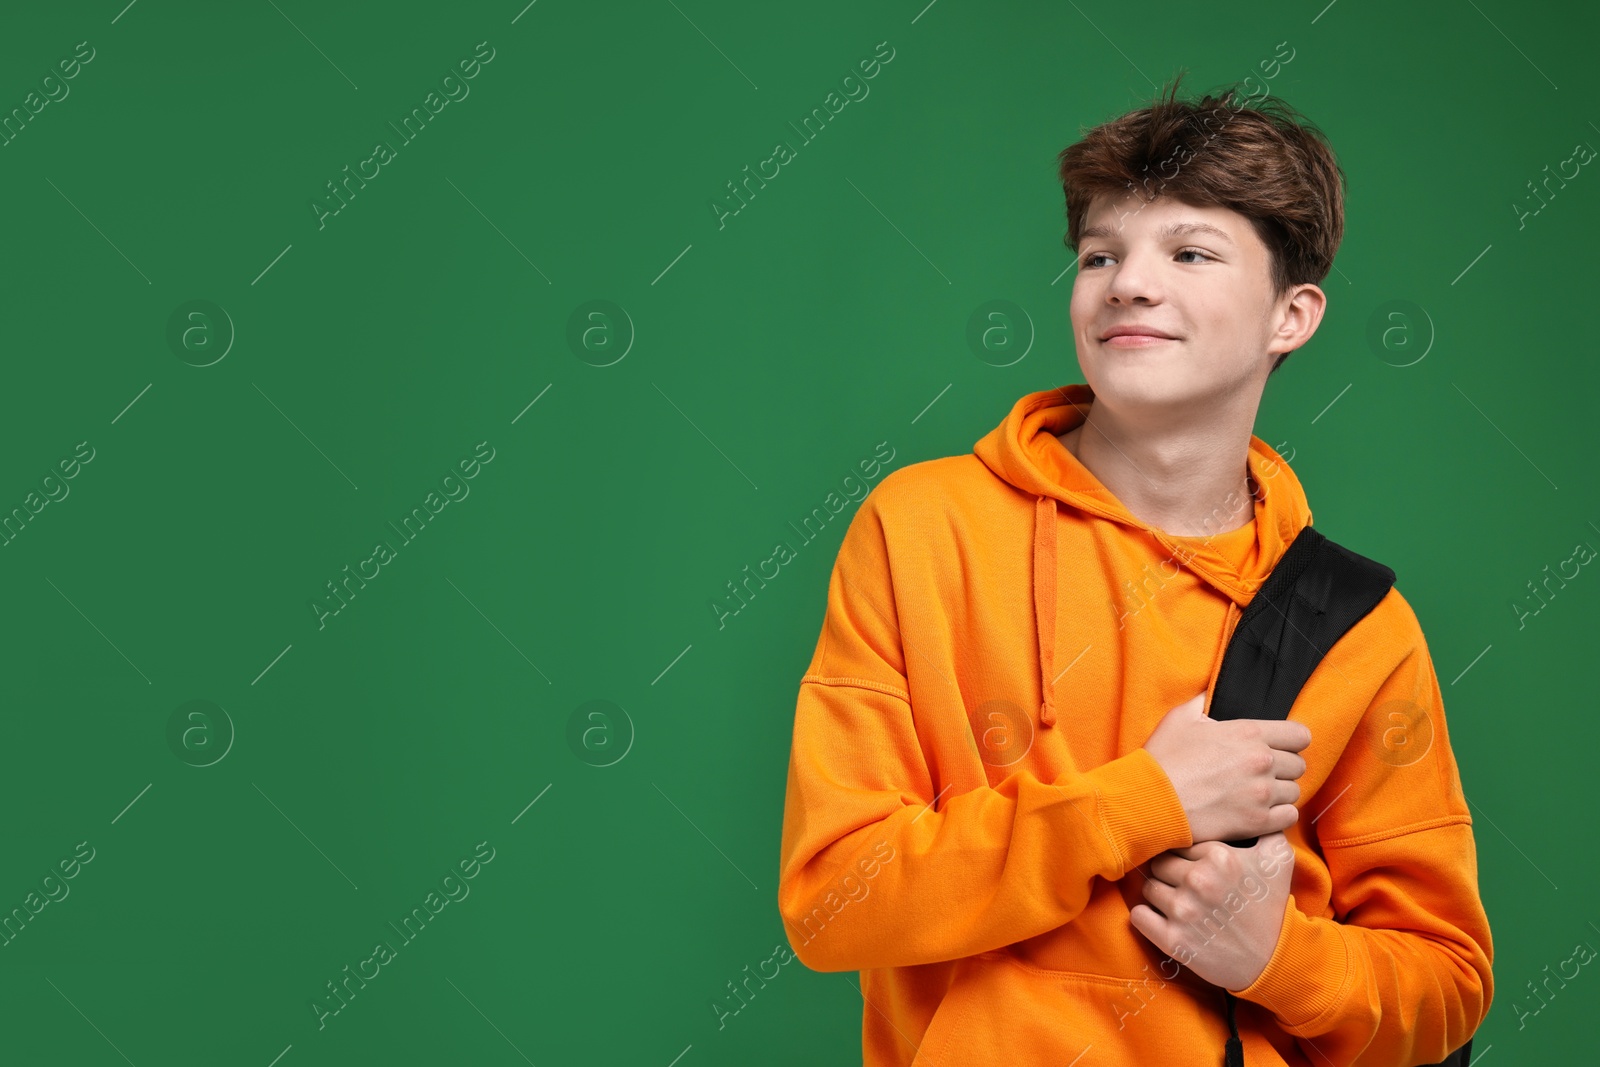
[1089, 260]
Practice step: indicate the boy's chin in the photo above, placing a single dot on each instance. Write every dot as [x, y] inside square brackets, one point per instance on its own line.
[1136, 372]
[1148, 383]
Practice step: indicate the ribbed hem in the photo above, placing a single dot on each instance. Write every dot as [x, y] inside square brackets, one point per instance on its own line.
[1307, 973]
[1139, 808]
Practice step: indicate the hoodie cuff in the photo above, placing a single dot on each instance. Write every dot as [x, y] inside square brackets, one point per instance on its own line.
[1308, 970]
[1139, 808]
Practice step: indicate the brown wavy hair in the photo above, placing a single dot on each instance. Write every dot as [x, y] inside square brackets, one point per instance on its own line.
[1252, 154]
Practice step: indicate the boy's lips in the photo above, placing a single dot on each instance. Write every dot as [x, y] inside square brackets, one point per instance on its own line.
[1131, 330]
[1135, 340]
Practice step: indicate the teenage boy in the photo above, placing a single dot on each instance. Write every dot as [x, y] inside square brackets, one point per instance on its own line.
[1008, 805]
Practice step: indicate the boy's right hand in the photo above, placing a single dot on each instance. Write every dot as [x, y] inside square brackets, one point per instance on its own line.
[1234, 777]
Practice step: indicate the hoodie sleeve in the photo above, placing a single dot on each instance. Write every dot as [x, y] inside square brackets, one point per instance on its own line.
[872, 872]
[1402, 973]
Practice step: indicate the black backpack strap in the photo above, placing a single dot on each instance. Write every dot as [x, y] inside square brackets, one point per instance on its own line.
[1317, 592]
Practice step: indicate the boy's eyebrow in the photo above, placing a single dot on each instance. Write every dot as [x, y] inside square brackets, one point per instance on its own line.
[1171, 229]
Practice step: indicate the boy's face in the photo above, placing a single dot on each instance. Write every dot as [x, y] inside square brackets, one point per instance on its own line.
[1210, 290]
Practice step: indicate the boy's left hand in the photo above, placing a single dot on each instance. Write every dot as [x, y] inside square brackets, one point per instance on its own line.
[1218, 909]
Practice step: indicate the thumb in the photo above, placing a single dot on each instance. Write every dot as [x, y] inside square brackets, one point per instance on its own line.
[1191, 710]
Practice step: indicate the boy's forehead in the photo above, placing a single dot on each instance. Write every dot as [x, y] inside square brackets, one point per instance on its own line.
[1109, 216]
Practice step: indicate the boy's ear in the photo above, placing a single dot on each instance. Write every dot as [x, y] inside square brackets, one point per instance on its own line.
[1302, 313]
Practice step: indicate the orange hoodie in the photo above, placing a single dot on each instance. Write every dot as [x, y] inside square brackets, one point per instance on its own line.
[969, 815]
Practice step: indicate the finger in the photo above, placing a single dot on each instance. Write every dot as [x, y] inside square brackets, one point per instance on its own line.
[1285, 791]
[1164, 868]
[1161, 897]
[1194, 853]
[1284, 815]
[1171, 865]
[1287, 764]
[1149, 922]
[1286, 735]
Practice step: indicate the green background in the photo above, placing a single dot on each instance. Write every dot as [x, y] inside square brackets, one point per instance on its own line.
[764, 358]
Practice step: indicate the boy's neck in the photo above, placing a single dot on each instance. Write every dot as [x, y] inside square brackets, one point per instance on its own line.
[1174, 479]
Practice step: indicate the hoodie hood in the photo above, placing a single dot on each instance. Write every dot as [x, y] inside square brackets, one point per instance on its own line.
[1024, 452]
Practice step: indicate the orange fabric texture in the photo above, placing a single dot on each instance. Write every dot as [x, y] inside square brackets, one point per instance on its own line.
[969, 815]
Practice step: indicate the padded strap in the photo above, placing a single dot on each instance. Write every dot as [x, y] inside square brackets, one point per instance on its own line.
[1312, 598]
[1315, 594]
